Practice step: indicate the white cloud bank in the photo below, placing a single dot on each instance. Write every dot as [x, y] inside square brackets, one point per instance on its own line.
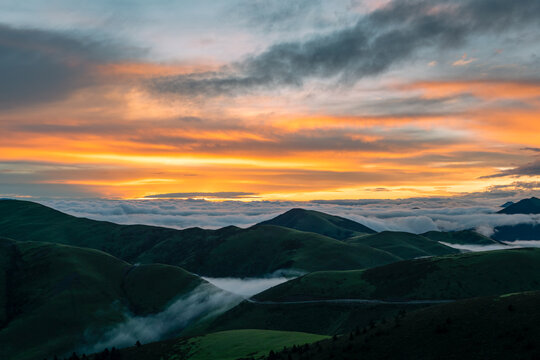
[246, 287]
[411, 215]
[507, 245]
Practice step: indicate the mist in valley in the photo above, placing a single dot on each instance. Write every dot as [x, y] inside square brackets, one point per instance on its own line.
[203, 302]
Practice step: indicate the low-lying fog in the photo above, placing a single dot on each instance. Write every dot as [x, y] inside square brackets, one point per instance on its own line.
[205, 301]
[246, 287]
[474, 211]
[506, 245]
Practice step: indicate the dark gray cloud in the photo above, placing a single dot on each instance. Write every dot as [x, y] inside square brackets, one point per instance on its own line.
[376, 42]
[276, 14]
[221, 195]
[530, 169]
[38, 66]
[532, 149]
[516, 185]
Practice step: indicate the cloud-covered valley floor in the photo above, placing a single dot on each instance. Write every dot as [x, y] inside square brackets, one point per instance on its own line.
[411, 215]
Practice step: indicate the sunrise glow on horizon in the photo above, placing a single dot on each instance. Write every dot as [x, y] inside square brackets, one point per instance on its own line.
[254, 100]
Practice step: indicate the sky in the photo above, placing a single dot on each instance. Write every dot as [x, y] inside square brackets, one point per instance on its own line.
[268, 100]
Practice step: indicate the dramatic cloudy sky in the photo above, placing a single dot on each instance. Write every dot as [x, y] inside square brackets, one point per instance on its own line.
[268, 99]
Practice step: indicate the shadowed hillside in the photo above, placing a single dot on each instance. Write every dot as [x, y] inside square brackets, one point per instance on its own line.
[517, 232]
[289, 306]
[230, 251]
[446, 277]
[56, 296]
[403, 245]
[463, 237]
[500, 327]
[263, 249]
[504, 327]
[226, 345]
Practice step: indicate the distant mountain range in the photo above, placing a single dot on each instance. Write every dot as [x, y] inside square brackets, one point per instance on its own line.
[519, 231]
[525, 206]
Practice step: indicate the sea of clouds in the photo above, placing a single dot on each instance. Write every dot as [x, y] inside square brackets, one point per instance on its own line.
[411, 215]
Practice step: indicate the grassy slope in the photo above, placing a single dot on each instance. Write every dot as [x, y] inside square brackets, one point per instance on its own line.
[7, 252]
[506, 327]
[314, 221]
[460, 237]
[517, 232]
[263, 249]
[227, 345]
[447, 277]
[25, 220]
[230, 251]
[225, 252]
[56, 292]
[314, 318]
[404, 245]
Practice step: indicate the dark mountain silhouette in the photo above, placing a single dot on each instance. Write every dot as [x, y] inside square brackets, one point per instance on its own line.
[525, 206]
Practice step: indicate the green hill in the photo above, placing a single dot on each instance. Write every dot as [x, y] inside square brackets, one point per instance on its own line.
[503, 327]
[446, 277]
[525, 206]
[226, 345]
[500, 327]
[314, 221]
[25, 220]
[403, 245]
[319, 318]
[263, 249]
[463, 237]
[439, 278]
[230, 251]
[52, 294]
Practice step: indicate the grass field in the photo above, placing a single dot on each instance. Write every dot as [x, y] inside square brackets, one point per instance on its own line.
[226, 345]
[446, 277]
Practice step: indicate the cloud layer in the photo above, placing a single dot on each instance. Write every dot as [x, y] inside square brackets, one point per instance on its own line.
[413, 215]
[42, 66]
